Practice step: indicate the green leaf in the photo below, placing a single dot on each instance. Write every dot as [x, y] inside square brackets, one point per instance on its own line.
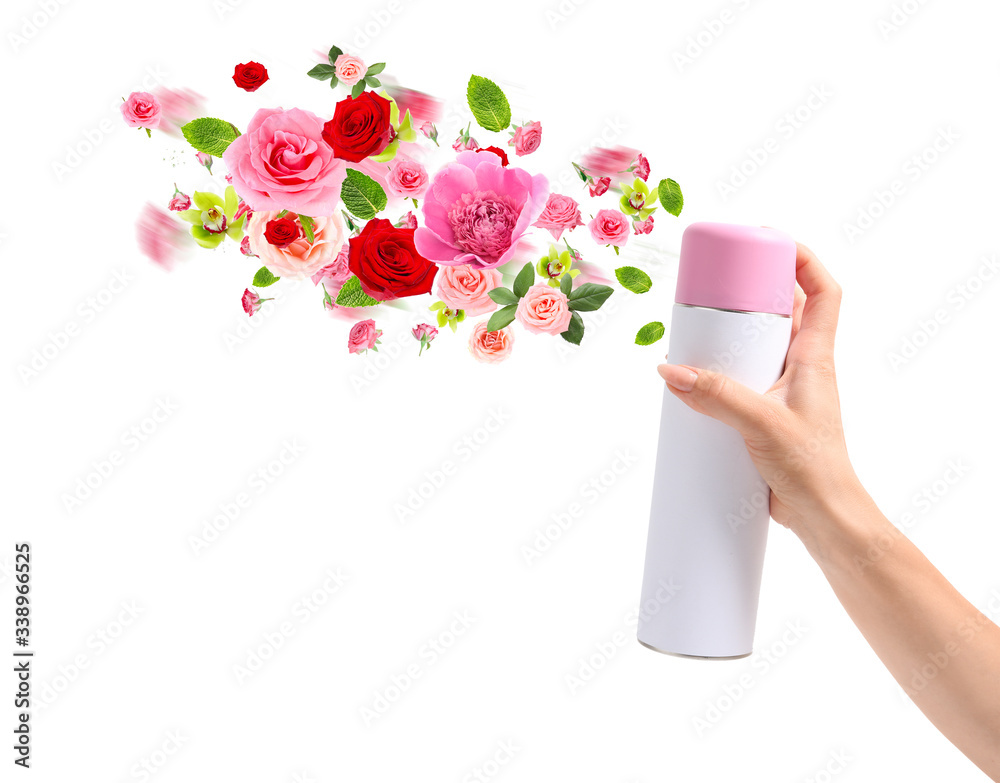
[351, 294]
[358, 89]
[501, 318]
[524, 280]
[488, 104]
[375, 69]
[362, 195]
[371, 81]
[589, 296]
[334, 81]
[210, 135]
[566, 284]
[503, 296]
[671, 198]
[321, 71]
[335, 52]
[264, 278]
[574, 332]
[649, 334]
[308, 226]
[635, 280]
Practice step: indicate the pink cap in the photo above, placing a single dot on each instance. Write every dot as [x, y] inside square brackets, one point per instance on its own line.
[731, 267]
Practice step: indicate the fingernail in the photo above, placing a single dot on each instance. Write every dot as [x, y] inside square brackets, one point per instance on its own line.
[676, 375]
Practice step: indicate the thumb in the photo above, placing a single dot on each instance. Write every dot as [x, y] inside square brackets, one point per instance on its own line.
[717, 396]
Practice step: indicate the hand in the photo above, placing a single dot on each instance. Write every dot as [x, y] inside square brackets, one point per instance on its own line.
[793, 431]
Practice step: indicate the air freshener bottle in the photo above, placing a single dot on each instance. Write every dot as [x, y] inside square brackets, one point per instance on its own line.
[710, 508]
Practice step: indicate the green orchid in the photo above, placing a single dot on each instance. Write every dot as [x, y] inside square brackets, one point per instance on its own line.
[553, 266]
[637, 200]
[213, 217]
[445, 315]
[404, 130]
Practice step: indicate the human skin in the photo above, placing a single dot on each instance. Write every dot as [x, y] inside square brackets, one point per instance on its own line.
[914, 619]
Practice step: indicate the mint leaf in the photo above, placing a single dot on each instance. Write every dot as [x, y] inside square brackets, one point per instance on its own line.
[264, 278]
[649, 334]
[503, 296]
[574, 332]
[671, 197]
[635, 280]
[566, 284]
[335, 52]
[589, 296]
[501, 318]
[524, 280]
[308, 226]
[488, 104]
[362, 195]
[210, 135]
[351, 294]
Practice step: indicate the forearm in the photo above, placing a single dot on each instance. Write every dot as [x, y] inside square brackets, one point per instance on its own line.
[942, 650]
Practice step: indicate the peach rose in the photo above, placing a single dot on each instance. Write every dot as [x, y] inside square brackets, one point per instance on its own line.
[302, 257]
[464, 287]
[490, 347]
[544, 310]
[349, 68]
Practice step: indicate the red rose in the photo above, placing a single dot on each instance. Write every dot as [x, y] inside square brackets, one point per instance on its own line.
[360, 127]
[249, 76]
[387, 263]
[498, 151]
[281, 232]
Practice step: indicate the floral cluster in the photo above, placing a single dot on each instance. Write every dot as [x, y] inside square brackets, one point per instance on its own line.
[307, 196]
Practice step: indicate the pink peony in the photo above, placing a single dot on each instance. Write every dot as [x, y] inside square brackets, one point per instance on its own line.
[159, 236]
[526, 138]
[609, 227]
[407, 178]
[363, 336]
[544, 310]
[141, 110]
[334, 274]
[302, 257]
[349, 68]
[490, 347]
[561, 213]
[476, 211]
[465, 287]
[282, 162]
[598, 187]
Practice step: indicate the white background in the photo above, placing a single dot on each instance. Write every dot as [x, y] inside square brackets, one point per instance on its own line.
[587, 71]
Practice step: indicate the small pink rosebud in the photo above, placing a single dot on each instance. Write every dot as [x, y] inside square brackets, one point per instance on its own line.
[242, 209]
[643, 226]
[465, 143]
[641, 167]
[598, 187]
[245, 248]
[180, 202]
[229, 179]
[251, 302]
[205, 160]
[429, 129]
[425, 333]
[409, 220]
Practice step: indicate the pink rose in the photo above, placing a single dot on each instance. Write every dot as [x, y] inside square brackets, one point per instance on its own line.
[409, 220]
[609, 227]
[407, 178]
[544, 310]
[598, 187]
[349, 68]
[643, 226]
[141, 110]
[465, 287]
[561, 213]
[526, 138]
[302, 257]
[251, 302]
[282, 162]
[363, 336]
[490, 347]
[335, 274]
[180, 202]
[641, 167]
[425, 333]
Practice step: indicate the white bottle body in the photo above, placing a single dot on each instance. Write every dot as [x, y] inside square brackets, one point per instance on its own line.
[710, 511]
